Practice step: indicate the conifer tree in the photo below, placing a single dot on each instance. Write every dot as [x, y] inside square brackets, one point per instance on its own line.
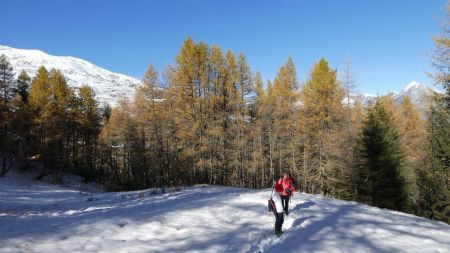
[228, 97]
[52, 102]
[268, 108]
[357, 121]
[21, 122]
[6, 92]
[116, 141]
[286, 118]
[23, 86]
[256, 110]
[187, 91]
[352, 116]
[39, 90]
[7, 85]
[412, 133]
[38, 96]
[381, 180]
[88, 118]
[434, 178]
[55, 121]
[150, 117]
[242, 137]
[322, 109]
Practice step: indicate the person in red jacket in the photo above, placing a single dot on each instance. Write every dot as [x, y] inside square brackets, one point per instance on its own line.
[288, 191]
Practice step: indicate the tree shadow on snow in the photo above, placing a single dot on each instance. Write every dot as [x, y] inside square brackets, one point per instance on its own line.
[352, 227]
[304, 205]
[300, 221]
[332, 222]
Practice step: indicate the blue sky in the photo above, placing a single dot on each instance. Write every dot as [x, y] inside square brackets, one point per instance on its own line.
[386, 40]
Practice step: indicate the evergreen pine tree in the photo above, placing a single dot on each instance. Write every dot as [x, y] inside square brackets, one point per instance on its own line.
[7, 85]
[23, 86]
[381, 181]
[6, 93]
[434, 178]
[21, 122]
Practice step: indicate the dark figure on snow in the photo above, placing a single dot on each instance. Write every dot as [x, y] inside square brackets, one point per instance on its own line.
[278, 208]
[288, 190]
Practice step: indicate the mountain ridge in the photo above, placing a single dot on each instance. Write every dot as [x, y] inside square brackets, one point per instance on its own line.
[109, 86]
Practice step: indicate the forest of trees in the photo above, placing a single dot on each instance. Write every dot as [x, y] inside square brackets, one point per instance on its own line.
[217, 122]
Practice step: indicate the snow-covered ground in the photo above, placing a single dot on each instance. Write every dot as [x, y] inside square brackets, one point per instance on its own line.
[41, 217]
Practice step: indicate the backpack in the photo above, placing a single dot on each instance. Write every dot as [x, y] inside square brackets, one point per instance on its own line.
[271, 206]
[270, 203]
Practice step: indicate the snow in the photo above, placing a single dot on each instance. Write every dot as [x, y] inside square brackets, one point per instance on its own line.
[416, 92]
[364, 98]
[108, 86]
[41, 217]
[412, 85]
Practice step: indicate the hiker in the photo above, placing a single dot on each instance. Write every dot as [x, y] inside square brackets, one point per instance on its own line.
[288, 190]
[278, 208]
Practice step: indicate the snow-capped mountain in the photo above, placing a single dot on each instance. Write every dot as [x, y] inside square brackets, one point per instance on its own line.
[416, 92]
[108, 86]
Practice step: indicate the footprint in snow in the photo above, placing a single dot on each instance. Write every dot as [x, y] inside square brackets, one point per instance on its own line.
[266, 239]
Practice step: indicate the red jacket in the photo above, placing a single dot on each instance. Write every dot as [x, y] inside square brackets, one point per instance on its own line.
[287, 184]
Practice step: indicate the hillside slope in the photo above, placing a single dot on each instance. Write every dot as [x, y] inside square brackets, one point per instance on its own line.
[40, 217]
[107, 85]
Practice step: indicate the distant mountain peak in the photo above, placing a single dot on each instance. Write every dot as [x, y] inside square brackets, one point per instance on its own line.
[415, 91]
[108, 86]
[414, 85]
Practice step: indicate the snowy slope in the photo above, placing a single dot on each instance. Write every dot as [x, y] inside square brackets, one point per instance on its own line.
[107, 85]
[39, 217]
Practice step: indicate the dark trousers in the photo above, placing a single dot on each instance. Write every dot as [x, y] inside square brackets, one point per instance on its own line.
[285, 203]
[279, 219]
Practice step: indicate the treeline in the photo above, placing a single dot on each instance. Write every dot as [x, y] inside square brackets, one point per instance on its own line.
[217, 122]
[45, 119]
